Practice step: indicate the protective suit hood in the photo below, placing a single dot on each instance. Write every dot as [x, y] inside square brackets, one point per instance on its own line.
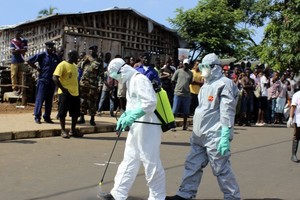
[215, 74]
[211, 67]
[119, 70]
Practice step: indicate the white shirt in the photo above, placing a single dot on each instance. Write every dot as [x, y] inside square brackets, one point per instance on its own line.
[293, 85]
[296, 102]
[264, 89]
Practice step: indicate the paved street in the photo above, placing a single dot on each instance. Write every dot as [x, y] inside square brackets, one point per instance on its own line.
[58, 169]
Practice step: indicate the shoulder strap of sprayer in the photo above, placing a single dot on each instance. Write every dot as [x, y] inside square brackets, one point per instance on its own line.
[159, 117]
[156, 113]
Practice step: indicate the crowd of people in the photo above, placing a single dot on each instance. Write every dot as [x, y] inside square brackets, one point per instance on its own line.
[264, 94]
[218, 97]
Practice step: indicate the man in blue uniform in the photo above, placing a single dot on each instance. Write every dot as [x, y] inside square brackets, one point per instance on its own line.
[45, 87]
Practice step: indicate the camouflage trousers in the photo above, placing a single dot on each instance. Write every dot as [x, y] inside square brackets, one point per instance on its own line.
[89, 98]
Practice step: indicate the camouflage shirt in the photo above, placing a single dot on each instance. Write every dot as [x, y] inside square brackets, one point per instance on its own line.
[92, 74]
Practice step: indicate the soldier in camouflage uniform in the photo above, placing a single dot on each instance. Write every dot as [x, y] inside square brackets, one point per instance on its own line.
[89, 83]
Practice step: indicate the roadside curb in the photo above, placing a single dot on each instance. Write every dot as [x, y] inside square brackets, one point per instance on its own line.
[53, 132]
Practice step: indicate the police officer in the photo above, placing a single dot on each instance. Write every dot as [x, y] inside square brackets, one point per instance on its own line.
[45, 87]
[89, 84]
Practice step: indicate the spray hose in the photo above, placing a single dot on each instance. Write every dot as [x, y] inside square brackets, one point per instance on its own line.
[153, 123]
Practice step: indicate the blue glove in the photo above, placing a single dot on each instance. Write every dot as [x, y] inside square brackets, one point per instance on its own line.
[129, 118]
[224, 144]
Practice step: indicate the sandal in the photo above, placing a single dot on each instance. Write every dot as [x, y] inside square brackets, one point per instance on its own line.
[75, 133]
[64, 134]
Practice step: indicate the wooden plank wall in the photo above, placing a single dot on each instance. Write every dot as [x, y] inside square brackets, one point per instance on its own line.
[125, 27]
[118, 31]
[36, 34]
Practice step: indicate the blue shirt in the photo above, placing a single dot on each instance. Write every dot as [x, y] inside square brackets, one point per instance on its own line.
[15, 45]
[47, 64]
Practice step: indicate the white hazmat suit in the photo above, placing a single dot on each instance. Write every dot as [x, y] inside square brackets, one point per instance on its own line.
[144, 139]
[213, 116]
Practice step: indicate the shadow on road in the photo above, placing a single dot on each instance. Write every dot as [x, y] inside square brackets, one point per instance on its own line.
[101, 138]
[176, 143]
[260, 147]
[19, 141]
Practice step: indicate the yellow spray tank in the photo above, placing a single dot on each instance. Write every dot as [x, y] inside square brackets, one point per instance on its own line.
[164, 111]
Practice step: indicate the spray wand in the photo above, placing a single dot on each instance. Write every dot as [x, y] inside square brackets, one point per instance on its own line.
[118, 136]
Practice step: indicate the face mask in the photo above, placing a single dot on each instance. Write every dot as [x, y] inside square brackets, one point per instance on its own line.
[115, 75]
[205, 70]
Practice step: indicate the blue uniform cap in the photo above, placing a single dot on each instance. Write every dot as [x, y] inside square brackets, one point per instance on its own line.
[49, 44]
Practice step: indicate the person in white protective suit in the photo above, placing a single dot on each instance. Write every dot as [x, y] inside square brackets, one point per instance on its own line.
[143, 140]
[213, 123]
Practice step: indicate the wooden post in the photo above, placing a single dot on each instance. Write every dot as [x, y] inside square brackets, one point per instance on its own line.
[24, 96]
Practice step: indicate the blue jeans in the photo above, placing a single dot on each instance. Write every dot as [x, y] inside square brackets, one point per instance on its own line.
[273, 110]
[247, 104]
[183, 103]
[104, 95]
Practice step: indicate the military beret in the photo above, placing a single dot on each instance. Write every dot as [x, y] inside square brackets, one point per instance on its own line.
[146, 54]
[93, 47]
[50, 44]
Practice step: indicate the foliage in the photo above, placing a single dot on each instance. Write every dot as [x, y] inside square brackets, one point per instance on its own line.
[281, 45]
[47, 12]
[255, 12]
[212, 26]
[225, 27]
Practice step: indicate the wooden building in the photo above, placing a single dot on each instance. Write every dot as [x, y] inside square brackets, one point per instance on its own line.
[120, 31]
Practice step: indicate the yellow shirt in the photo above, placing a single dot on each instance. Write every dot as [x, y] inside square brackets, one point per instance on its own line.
[195, 88]
[68, 77]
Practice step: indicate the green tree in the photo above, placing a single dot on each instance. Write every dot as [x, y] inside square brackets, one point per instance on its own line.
[213, 26]
[281, 45]
[46, 12]
[255, 16]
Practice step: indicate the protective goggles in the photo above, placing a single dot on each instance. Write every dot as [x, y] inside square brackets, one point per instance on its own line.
[119, 71]
[116, 75]
[202, 66]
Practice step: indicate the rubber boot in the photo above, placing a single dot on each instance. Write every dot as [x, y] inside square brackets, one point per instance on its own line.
[105, 196]
[294, 151]
[81, 119]
[92, 121]
[176, 197]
